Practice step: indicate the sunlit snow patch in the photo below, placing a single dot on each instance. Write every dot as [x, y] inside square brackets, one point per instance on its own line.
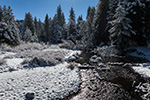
[143, 69]
[14, 62]
[7, 54]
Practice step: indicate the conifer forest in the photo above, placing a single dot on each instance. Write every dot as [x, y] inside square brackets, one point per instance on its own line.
[104, 56]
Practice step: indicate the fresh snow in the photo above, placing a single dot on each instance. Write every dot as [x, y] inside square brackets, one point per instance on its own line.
[15, 62]
[144, 71]
[47, 83]
[7, 54]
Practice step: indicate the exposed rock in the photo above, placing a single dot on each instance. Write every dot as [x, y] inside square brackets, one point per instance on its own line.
[95, 59]
[30, 96]
[101, 65]
[71, 59]
[106, 69]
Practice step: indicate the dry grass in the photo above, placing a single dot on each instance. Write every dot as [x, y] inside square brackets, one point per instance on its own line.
[71, 65]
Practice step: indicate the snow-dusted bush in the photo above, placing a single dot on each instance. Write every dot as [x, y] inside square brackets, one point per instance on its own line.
[107, 51]
[30, 46]
[42, 62]
[67, 44]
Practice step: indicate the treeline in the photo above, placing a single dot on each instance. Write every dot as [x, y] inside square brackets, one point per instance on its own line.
[122, 23]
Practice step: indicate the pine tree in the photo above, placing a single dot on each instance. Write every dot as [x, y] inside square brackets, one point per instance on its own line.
[46, 28]
[100, 22]
[9, 33]
[63, 19]
[88, 12]
[41, 36]
[121, 30]
[59, 16]
[72, 16]
[36, 25]
[89, 27]
[28, 22]
[72, 31]
[80, 28]
[80, 23]
[1, 13]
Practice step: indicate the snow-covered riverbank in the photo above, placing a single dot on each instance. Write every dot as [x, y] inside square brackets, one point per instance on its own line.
[49, 82]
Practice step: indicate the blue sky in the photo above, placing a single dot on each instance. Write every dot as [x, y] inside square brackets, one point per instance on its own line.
[40, 8]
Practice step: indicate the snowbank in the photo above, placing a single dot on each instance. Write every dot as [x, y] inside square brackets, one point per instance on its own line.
[143, 69]
[47, 83]
[145, 72]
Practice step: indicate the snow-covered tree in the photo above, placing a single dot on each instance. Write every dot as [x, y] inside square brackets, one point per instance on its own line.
[80, 24]
[121, 30]
[89, 27]
[27, 37]
[72, 16]
[80, 29]
[63, 19]
[28, 22]
[9, 32]
[71, 27]
[56, 30]
[60, 16]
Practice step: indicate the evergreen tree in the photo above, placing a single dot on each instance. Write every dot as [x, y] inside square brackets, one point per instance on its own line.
[1, 13]
[72, 16]
[100, 22]
[29, 23]
[46, 28]
[63, 19]
[88, 12]
[80, 23]
[121, 30]
[72, 31]
[36, 25]
[41, 36]
[59, 16]
[9, 33]
[89, 28]
[57, 31]
[80, 28]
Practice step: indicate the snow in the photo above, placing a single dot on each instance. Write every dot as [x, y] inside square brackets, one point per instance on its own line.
[6, 54]
[144, 71]
[142, 52]
[14, 62]
[49, 82]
